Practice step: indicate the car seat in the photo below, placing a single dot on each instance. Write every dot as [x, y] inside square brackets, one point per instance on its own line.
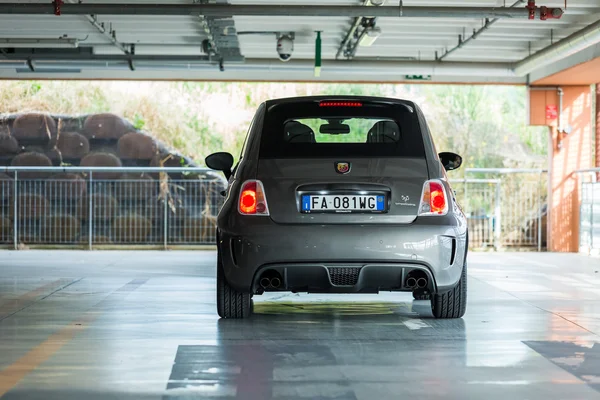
[384, 132]
[296, 132]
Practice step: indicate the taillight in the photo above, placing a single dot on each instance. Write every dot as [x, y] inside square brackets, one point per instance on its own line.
[252, 199]
[433, 200]
[340, 104]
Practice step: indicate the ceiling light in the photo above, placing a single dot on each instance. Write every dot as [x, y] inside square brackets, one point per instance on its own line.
[374, 2]
[40, 43]
[369, 36]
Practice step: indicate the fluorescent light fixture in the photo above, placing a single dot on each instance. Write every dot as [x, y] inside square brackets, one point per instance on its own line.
[369, 36]
[40, 43]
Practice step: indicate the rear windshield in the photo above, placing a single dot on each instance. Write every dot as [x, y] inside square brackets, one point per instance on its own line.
[311, 129]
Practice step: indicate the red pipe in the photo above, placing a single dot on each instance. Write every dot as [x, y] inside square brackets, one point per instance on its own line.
[57, 4]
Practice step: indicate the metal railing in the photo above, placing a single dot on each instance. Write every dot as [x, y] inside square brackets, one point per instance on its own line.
[109, 206]
[480, 200]
[589, 211]
[505, 207]
[96, 206]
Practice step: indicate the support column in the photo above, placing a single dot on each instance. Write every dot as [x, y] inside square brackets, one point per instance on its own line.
[572, 150]
[598, 126]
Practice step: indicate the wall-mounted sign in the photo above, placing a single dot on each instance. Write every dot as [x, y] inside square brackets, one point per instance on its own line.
[418, 77]
[551, 112]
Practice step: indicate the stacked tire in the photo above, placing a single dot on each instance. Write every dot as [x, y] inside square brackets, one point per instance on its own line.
[54, 208]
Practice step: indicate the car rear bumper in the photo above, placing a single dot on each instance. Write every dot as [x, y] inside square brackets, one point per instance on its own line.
[304, 255]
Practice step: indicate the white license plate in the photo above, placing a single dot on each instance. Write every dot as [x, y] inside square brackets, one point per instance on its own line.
[343, 203]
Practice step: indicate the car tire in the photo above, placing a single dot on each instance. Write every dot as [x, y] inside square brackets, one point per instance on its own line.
[453, 303]
[230, 302]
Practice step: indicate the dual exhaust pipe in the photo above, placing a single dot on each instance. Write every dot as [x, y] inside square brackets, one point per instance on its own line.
[270, 280]
[267, 283]
[419, 281]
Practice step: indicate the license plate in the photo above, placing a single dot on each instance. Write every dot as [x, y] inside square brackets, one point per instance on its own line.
[343, 203]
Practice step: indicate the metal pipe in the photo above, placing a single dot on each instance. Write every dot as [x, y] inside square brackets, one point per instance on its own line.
[58, 56]
[92, 20]
[265, 283]
[560, 107]
[587, 170]
[166, 220]
[108, 35]
[411, 282]
[476, 33]
[465, 180]
[354, 67]
[216, 10]
[505, 170]
[91, 212]
[421, 283]
[498, 218]
[16, 210]
[542, 88]
[350, 33]
[348, 36]
[106, 169]
[573, 43]
[394, 67]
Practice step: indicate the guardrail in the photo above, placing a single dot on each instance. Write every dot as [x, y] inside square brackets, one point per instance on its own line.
[485, 227]
[589, 211]
[165, 207]
[505, 207]
[89, 206]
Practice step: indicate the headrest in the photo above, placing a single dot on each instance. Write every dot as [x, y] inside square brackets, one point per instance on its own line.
[299, 133]
[384, 132]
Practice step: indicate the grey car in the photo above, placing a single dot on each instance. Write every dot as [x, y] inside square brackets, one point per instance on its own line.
[340, 194]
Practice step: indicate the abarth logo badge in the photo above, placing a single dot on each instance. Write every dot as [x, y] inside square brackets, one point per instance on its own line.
[342, 167]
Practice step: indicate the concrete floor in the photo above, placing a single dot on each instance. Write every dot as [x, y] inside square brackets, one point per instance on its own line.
[142, 325]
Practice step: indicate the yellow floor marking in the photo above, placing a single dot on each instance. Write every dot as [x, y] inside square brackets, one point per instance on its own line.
[13, 374]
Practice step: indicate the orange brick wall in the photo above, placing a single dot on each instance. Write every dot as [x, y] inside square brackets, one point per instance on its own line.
[569, 153]
[598, 124]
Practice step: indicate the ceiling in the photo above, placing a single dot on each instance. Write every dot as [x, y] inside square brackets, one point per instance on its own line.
[170, 46]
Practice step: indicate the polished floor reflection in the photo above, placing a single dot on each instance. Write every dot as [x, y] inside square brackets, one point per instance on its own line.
[142, 325]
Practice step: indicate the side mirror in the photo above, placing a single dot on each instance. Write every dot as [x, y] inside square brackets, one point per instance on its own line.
[450, 161]
[221, 161]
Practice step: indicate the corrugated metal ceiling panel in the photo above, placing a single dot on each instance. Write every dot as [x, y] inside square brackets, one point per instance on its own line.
[508, 40]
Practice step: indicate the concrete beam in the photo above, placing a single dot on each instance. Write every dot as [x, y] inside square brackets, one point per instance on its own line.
[585, 55]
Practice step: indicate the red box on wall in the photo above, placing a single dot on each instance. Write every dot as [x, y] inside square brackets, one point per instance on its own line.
[551, 112]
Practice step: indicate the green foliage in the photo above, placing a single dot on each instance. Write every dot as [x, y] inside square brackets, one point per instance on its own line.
[138, 122]
[485, 124]
[35, 88]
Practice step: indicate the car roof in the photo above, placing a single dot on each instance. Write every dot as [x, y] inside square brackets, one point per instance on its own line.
[372, 99]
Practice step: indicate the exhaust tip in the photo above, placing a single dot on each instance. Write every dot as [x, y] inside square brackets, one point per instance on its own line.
[411, 282]
[275, 282]
[421, 282]
[265, 283]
